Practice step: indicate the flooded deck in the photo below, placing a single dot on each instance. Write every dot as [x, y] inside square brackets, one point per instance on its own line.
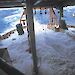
[55, 52]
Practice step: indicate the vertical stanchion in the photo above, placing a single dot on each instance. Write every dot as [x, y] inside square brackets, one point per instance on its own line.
[30, 24]
[62, 23]
[61, 13]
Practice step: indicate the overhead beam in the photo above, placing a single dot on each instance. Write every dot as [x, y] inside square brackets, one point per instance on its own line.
[12, 3]
[46, 4]
[37, 2]
[69, 3]
[6, 4]
[54, 3]
[12, 0]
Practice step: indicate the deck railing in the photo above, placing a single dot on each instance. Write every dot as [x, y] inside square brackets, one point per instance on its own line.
[8, 69]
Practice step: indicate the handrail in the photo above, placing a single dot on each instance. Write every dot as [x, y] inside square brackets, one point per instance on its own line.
[7, 68]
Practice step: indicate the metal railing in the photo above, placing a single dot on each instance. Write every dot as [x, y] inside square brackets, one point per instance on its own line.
[8, 69]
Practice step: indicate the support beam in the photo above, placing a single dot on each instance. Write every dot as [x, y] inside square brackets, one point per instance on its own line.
[9, 4]
[30, 25]
[51, 16]
[62, 23]
[61, 13]
[37, 2]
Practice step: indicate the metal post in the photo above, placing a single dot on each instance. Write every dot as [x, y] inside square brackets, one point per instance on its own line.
[31, 30]
[51, 16]
[61, 13]
[62, 23]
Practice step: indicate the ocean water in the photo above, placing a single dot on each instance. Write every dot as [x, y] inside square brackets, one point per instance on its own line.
[10, 17]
